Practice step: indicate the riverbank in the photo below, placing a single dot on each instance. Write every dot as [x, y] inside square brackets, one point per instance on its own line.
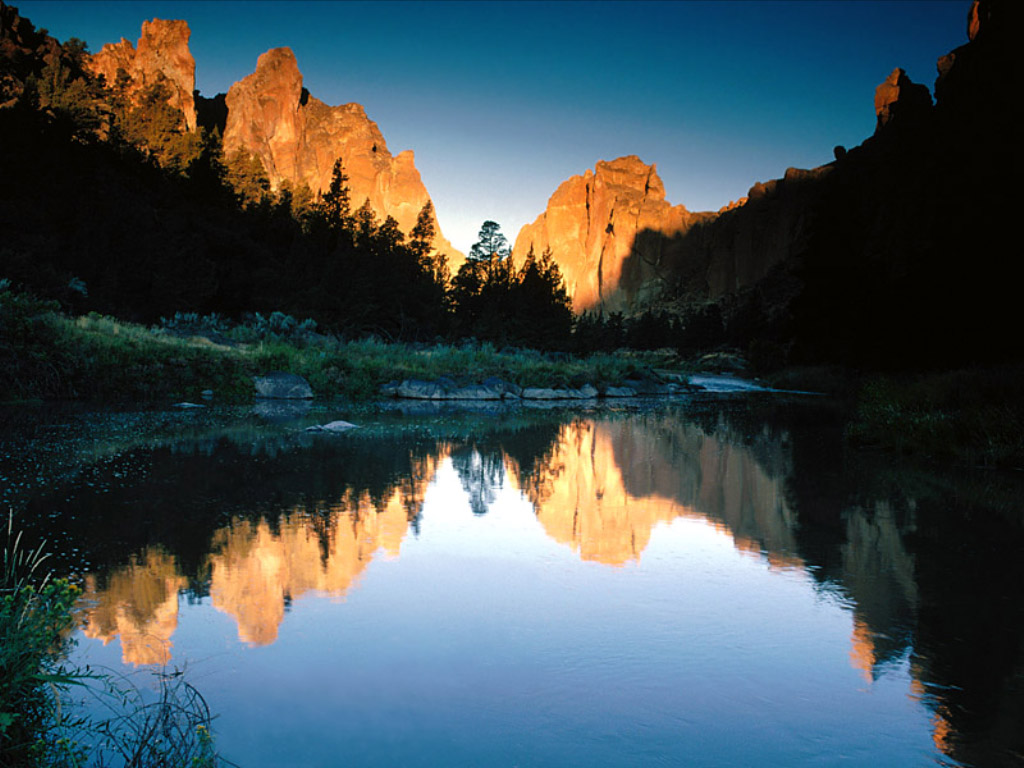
[969, 417]
[48, 355]
[973, 417]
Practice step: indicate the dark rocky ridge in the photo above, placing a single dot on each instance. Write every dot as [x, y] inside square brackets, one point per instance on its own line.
[896, 253]
[890, 255]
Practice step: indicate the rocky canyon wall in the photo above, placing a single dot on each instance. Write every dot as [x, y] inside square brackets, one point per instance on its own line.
[297, 137]
[891, 219]
[270, 115]
[162, 53]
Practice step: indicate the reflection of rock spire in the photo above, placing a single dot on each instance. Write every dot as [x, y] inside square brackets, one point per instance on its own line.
[879, 576]
[139, 604]
[257, 572]
[603, 486]
[581, 500]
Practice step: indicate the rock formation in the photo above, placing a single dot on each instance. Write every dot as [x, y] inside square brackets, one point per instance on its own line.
[899, 96]
[271, 116]
[162, 53]
[594, 224]
[622, 247]
[298, 138]
[23, 51]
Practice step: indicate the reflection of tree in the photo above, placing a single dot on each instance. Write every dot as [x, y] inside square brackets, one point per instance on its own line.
[482, 475]
[929, 564]
[968, 652]
[110, 518]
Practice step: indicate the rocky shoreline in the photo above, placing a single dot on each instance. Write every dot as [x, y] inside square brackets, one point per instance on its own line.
[279, 385]
[498, 389]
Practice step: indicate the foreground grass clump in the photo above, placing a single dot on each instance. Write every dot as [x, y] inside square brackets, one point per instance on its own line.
[35, 621]
[43, 724]
[973, 417]
[49, 355]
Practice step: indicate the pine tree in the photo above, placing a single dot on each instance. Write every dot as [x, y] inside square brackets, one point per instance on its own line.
[490, 242]
[337, 200]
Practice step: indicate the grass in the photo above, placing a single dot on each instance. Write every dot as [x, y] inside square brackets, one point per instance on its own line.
[36, 617]
[973, 416]
[40, 724]
[48, 355]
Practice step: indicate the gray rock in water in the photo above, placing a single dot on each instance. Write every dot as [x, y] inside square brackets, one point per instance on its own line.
[279, 385]
[620, 392]
[415, 389]
[542, 393]
[332, 426]
[188, 405]
[507, 388]
[585, 392]
[207, 394]
[477, 392]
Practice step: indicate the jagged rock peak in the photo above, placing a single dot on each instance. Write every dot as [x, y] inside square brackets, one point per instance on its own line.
[162, 51]
[593, 225]
[978, 17]
[21, 47]
[298, 138]
[899, 96]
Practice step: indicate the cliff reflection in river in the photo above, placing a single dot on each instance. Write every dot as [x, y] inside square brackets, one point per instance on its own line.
[902, 550]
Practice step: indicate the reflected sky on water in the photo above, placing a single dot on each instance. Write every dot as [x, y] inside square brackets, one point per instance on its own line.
[712, 586]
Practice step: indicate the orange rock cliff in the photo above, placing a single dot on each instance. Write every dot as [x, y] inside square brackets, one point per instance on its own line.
[296, 136]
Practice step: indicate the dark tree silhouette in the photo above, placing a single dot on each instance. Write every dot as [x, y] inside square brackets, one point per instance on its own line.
[490, 242]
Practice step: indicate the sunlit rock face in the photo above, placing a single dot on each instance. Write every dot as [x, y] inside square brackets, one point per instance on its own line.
[139, 605]
[298, 138]
[162, 52]
[592, 223]
[255, 572]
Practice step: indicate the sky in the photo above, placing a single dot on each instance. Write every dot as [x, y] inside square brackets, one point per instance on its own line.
[503, 101]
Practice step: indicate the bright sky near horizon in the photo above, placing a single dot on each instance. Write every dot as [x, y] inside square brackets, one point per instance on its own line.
[502, 101]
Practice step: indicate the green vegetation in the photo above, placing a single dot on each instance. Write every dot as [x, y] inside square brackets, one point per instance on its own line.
[35, 619]
[48, 354]
[40, 722]
[973, 417]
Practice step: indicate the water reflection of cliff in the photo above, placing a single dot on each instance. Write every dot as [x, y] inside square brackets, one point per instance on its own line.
[603, 486]
[910, 557]
[256, 572]
[256, 567]
[139, 604]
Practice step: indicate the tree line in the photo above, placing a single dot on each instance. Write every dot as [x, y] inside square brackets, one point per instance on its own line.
[109, 204]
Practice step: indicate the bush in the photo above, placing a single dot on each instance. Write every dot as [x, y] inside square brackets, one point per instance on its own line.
[39, 726]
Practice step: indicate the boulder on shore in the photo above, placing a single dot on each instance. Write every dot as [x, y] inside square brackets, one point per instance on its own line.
[280, 385]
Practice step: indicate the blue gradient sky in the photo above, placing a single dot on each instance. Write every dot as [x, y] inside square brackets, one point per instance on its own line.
[501, 102]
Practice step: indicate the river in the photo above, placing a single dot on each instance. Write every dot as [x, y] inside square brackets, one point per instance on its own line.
[701, 582]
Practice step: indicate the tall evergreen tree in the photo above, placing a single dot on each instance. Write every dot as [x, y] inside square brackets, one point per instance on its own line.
[337, 199]
[490, 242]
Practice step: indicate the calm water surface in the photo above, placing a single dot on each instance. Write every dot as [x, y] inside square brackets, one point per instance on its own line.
[699, 584]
